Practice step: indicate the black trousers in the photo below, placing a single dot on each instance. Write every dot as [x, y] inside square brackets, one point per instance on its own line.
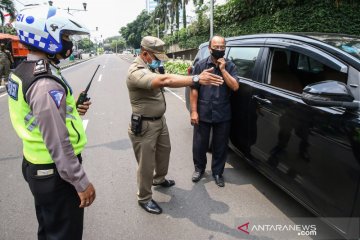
[56, 204]
[220, 140]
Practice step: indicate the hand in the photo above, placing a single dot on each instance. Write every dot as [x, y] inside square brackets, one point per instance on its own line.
[208, 78]
[222, 63]
[194, 118]
[82, 108]
[87, 197]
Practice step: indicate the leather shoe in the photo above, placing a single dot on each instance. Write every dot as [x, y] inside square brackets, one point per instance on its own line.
[197, 176]
[166, 183]
[151, 207]
[219, 180]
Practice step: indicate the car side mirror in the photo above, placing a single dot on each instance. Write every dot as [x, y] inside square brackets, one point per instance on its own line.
[329, 94]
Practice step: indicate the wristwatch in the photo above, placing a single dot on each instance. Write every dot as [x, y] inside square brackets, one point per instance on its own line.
[195, 80]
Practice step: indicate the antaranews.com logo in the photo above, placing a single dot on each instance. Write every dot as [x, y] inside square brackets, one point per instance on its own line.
[302, 230]
[297, 228]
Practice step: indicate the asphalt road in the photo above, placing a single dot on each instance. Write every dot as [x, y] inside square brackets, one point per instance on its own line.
[191, 211]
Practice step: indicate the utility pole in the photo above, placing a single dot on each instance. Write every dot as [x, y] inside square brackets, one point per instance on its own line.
[211, 18]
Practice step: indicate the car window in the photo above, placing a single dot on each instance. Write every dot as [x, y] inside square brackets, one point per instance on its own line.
[292, 71]
[308, 64]
[201, 54]
[244, 58]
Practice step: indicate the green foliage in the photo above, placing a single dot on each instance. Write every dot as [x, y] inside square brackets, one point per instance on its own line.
[238, 17]
[134, 31]
[177, 66]
[8, 30]
[85, 44]
[311, 16]
[7, 7]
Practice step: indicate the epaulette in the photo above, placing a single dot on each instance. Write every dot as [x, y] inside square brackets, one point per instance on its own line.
[41, 66]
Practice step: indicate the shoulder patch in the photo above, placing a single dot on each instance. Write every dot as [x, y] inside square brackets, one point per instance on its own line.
[13, 89]
[138, 74]
[57, 96]
[40, 67]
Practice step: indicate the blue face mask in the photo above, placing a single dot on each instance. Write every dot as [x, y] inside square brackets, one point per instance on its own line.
[154, 64]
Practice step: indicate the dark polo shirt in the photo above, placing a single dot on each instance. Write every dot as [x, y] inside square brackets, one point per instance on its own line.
[214, 101]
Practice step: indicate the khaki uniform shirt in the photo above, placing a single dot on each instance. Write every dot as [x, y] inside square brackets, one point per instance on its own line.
[144, 100]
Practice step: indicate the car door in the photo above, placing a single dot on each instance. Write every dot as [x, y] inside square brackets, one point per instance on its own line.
[246, 55]
[308, 150]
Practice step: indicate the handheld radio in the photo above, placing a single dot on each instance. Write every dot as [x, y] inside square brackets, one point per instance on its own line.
[83, 95]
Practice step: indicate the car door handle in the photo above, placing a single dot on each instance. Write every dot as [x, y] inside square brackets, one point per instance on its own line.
[262, 100]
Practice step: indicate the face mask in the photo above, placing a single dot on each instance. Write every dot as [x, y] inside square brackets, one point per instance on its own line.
[217, 53]
[66, 49]
[154, 64]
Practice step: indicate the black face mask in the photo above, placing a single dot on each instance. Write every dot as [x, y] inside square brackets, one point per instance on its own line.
[67, 45]
[217, 53]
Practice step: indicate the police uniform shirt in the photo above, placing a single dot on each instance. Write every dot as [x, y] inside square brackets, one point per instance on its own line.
[51, 120]
[144, 100]
[214, 101]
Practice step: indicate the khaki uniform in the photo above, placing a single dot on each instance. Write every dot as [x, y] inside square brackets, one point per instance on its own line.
[152, 146]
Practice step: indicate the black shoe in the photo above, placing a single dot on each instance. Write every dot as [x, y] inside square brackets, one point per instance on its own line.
[151, 207]
[166, 183]
[197, 176]
[219, 180]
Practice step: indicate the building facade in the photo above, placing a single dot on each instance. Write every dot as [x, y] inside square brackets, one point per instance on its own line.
[151, 5]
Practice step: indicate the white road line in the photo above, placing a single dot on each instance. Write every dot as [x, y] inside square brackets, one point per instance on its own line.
[76, 65]
[3, 95]
[85, 123]
[167, 89]
[103, 66]
[99, 80]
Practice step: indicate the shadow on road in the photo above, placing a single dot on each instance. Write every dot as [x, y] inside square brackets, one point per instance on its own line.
[197, 206]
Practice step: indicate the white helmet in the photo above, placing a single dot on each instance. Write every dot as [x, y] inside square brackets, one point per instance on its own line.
[42, 27]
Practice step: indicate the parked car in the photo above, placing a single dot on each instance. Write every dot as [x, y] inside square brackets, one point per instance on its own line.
[296, 117]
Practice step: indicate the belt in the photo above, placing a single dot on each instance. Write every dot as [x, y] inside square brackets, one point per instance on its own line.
[151, 118]
[79, 157]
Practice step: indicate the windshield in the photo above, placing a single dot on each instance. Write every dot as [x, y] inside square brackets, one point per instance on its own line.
[347, 44]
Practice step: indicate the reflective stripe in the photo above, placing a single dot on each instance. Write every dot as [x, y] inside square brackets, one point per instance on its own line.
[28, 118]
[69, 108]
[70, 116]
[32, 126]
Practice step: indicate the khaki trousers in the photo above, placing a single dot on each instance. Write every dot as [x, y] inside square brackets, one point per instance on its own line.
[152, 151]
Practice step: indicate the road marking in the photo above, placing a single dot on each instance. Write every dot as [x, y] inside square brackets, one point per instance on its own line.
[3, 95]
[103, 66]
[78, 64]
[85, 123]
[99, 80]
[167, 89]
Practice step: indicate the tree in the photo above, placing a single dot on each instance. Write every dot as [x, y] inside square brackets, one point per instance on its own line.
[86, 44]
[7, 8]
[184, 3]
[134, 31]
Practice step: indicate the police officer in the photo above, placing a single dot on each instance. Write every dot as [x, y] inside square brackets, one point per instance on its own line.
[44, 115]
[148, 130]
[210, 109]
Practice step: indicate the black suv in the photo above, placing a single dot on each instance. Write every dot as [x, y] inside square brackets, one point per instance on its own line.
[296, 117]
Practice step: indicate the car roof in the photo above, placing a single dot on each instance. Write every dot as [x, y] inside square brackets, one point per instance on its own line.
[318, 40]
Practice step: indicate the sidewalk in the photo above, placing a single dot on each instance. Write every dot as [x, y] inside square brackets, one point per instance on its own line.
[63, 64]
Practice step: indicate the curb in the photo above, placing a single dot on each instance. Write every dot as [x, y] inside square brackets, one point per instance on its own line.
[74, 63]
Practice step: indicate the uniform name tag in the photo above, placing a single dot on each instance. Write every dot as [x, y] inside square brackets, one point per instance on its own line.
[12, 89]
[44, 172]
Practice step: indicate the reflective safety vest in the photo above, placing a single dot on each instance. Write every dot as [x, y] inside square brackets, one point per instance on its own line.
[23, 121]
